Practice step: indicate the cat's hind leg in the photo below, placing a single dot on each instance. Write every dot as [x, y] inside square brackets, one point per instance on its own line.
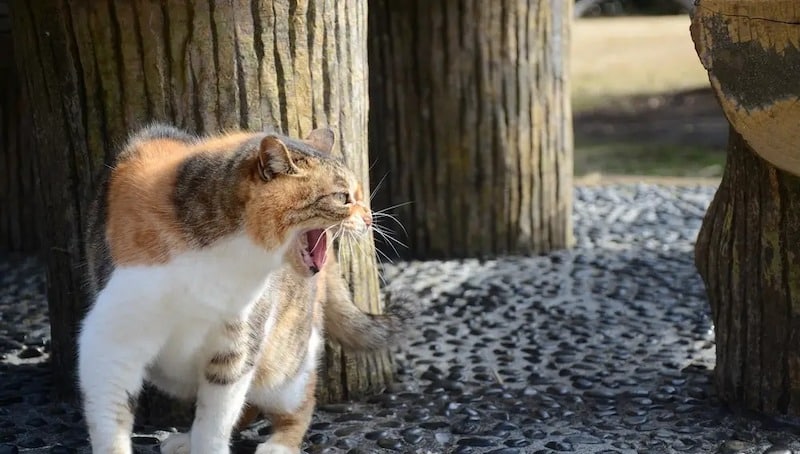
[115, 345]
[289, 422]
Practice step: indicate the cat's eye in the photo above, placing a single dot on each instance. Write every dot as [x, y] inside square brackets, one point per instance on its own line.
[342, 197]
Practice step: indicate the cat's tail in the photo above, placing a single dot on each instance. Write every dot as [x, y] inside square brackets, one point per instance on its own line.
[354, 329]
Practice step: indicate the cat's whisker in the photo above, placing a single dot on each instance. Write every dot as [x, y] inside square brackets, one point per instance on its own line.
[393, 218]
[383, 254]
[338, 235]
[385, 234]
[360, 246]
[372, 165]
[387, 237]
[378, 186]
[378, 256]
[343, 241]
[339, 230]
[350, 244]
[324, 233]
[397, 253]
[382, 210]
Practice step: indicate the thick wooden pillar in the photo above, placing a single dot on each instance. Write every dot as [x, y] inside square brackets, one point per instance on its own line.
[18, 195]
[748, 250]
[95, 70]
[470, 122]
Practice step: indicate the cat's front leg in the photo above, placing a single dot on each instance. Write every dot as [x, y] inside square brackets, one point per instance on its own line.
[114, 348]
[218, 408]
[220, 399]
[219, 403]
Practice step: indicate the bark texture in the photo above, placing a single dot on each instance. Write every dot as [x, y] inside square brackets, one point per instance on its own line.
[748, 251]
[470, 122]
[18, 231]
[97, 69]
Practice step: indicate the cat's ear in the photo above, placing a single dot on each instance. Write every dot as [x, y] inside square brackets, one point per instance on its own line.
[274, 159]
[322, 139]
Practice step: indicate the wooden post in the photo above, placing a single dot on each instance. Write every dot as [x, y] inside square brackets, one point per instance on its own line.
[95, 70]
[748, 249]
[470, 122]
[18, 199]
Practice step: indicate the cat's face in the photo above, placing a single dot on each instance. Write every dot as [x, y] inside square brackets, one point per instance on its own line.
[301, 195]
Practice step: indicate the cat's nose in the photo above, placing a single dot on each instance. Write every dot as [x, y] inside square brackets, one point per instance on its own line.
[367, 217]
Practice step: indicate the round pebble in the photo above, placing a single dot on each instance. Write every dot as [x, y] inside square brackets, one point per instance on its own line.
[604, 348]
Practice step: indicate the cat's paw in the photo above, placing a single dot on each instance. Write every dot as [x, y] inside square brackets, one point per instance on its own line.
[177, 443]
[275, 448]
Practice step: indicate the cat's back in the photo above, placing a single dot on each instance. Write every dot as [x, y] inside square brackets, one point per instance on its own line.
[134, 220]
[143, 223]
[140, 222]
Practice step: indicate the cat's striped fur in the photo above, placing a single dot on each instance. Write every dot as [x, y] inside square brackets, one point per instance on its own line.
[211, 278]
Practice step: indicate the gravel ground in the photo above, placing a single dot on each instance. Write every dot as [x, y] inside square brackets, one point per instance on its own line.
[606, 348]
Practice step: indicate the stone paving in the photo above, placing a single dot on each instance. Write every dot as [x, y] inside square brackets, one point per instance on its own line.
[606, 348]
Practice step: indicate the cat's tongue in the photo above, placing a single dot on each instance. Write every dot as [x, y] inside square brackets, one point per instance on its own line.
[317, 247]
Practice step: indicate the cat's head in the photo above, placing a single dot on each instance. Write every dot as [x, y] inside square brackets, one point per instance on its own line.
[298, 191]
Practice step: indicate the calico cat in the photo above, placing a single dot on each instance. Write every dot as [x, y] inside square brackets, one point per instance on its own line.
[212, 277]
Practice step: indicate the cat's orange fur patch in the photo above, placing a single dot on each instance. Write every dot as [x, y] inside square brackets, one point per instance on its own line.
[141, 227]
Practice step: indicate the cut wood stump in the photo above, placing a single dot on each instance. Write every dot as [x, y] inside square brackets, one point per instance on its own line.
[748, 249]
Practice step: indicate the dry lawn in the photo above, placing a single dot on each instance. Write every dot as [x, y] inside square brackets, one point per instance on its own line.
[640, 100]
[617, 57]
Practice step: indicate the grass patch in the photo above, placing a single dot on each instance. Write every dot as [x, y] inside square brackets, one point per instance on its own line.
[647, 159]
[629, 80]
[623, 56]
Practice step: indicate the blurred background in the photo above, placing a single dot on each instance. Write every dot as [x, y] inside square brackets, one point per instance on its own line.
[641, 100]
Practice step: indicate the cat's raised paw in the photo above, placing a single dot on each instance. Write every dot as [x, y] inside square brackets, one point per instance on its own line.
[275, 448]
[177, 443]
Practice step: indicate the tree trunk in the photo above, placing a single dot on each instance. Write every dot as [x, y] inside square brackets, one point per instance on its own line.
[471, 124]
[747, 253]
[95, 70]
[748, 247]
[18, 230]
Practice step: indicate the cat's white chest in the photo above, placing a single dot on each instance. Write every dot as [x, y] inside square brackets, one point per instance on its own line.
[223, 278]
[183, 304]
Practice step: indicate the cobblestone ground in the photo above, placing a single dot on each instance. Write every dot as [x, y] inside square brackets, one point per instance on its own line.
[606, 348]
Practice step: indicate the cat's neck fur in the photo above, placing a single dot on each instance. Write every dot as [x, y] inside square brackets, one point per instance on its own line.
[226, 276]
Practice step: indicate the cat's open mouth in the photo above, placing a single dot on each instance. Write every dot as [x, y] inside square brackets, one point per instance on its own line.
[314, 249]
